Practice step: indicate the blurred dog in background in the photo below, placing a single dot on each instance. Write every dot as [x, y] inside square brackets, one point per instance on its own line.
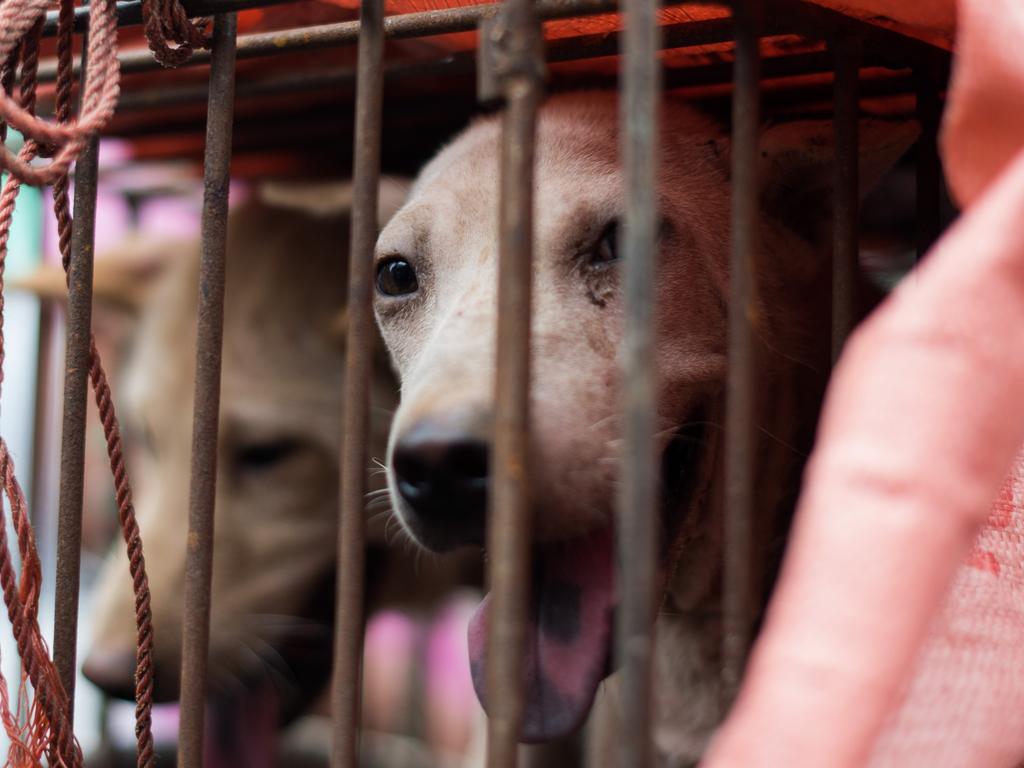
[277, 493]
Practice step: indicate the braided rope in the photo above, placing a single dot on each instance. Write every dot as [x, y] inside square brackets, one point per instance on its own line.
[7, 84]
[136, 563]
[165, 20]
[99, 94]
[45, 721]
[47, 724]
[43, 726]
[144, 678]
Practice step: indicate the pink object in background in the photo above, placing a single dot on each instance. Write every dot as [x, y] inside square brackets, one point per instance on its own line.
[389, 654]
[453, 707]
[876, 649]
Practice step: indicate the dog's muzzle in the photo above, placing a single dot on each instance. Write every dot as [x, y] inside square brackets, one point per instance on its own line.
[441, 473]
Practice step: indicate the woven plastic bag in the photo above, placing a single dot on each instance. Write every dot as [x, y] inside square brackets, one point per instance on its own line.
[896, 636]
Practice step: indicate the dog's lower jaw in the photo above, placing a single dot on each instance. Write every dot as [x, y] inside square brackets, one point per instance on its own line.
[687, 695]
[687, 661]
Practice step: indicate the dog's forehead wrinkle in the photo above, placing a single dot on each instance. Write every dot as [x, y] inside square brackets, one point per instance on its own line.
[297, 411]
[401, 233]
[573, 217]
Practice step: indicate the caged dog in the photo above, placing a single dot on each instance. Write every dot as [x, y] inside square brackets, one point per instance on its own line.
[277, 491]
[435, 305]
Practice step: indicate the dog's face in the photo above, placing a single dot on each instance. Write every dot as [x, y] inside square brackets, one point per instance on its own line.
[436, 303]
[278, 446]
[436, 299]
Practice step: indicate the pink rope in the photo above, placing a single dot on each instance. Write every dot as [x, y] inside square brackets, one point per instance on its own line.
[99, 95]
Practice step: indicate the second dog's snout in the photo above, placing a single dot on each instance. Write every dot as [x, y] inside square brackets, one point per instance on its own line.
[441, 472]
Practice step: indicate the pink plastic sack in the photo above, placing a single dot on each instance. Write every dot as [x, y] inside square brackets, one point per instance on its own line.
[896, 637]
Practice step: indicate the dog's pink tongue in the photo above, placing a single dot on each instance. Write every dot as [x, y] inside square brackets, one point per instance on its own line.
[568, 638]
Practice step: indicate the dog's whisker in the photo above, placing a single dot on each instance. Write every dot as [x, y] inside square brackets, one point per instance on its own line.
[771, 347]
[274, 659]
[257, 667]
[227, 683]
[392, 529]
[783, 443]
[602, 422]
[380, 512]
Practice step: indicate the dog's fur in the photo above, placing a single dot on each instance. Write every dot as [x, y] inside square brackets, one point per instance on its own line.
[277, 455]
[280, 431]
[442, 342]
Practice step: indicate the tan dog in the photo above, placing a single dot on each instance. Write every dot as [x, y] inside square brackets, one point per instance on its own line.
[279, 440]
[276, 523]
[435, 304]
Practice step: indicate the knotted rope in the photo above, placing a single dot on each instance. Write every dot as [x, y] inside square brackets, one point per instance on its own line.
[41, 725]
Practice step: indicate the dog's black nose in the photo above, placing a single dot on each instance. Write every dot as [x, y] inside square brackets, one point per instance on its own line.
[441, 473]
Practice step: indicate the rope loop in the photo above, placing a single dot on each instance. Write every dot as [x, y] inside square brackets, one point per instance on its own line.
[38, 723]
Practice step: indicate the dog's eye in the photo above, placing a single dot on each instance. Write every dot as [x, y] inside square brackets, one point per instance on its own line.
[396, 277]
[139, 434]
[606, 251]
[258, 456]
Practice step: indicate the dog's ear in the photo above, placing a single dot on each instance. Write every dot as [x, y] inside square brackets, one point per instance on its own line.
[797, 162]
[122, 277]
[333, 198]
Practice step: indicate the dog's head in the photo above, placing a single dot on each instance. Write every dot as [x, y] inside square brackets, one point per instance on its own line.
[278, 445]
[436, 268]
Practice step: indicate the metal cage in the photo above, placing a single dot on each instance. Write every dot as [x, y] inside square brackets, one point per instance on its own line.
[511, 61]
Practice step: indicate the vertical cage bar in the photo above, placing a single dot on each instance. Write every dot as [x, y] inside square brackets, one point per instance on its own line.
[348, 641]
[40, 418]
[510, 523]
[845, 245]
[205, 417]
[72, 453]
[740, 390]
[929, 167]
[637, 539]
[76, 386]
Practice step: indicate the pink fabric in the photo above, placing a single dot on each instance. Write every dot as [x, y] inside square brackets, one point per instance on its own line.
[984, 121]
[868, 655]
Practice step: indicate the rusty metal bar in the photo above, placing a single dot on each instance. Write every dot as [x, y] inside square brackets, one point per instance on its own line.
[638, 520]
[348, 639]
[512, 64]
[72, 447]
[40, 418]
[399, 26]
[72, 453]
[452, 65]
[420, 24]
[510, 524]
[741, 390]
[206, 413]
[457, 66]
[929, 166]
[886, 45]
[129, 12]
[845, 242]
